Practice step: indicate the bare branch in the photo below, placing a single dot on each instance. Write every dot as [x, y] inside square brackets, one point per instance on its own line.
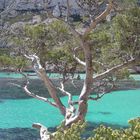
[14, 84]
[100, 95]
[35, 61]
[115, 68]
[96, 98]
[72, 81]
[44, 133]
[99, 18]
[76, 58]
[36, 96]
[70, 111]
[66, 93]
[25, 88]
[79, 61]
[48, 83]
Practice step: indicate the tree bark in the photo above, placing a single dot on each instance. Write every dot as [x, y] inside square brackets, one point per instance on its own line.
[52, 90]
[82, 110]
[83, 99]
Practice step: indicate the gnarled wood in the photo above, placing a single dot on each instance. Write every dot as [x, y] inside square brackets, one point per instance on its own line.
[51, 88]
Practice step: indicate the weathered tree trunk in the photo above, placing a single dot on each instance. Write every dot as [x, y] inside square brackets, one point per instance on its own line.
[88, 82]
[82, 110]
[52, 90]
[86, 90]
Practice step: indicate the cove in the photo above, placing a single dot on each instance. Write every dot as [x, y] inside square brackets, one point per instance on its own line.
[115, 108]
[18, 111]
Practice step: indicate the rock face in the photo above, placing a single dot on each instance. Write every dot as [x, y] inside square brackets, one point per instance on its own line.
[30, 5]
[3, 4]
[13, 6]
[22, 4]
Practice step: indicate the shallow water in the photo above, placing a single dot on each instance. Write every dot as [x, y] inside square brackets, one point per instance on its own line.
[18, 115]
[51, 75]
[32, 75]
[116, 108]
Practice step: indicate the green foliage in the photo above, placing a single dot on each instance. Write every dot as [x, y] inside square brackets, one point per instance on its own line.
[113, 42]
[10, 61]
[117, 41]
[5, 60]
[123, 74]
[127, 3]
[107, 133]
[35, 32]
[22, 17]
[73, 133]
[100, 133]
[51, 41]
[126, 29]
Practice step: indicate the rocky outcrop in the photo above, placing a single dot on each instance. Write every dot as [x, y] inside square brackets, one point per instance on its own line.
[12, 7]
[22, 4]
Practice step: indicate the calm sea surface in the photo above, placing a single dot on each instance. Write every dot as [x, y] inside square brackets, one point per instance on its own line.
[114, 109]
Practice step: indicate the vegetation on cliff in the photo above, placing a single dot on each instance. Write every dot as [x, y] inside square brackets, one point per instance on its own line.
[103, 49]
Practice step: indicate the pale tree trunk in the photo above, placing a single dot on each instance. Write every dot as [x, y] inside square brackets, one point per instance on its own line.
[82, 110]
[88, 82]
[52, 90]
[86, 90]
[41, 72]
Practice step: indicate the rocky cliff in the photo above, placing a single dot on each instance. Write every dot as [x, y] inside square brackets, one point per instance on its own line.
[11, 8]
[23, 4]
[29, 5]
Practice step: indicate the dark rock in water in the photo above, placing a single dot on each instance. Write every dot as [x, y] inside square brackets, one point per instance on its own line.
[19, 134]
[32, 134]
[9, 91]
[1, 101]
[105, 113]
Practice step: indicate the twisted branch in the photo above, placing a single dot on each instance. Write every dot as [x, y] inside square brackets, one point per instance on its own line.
[28, 92]
[76, 58]
[48, 83]
[115, 68]
[66, 93]
[99, 18]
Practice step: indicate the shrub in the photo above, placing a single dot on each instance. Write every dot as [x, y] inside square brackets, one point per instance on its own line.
[100, 133]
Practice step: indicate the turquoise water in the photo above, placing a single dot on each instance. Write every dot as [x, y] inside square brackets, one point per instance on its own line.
[51, 75]
[18, 112]
[115, 109]
[32, 75]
